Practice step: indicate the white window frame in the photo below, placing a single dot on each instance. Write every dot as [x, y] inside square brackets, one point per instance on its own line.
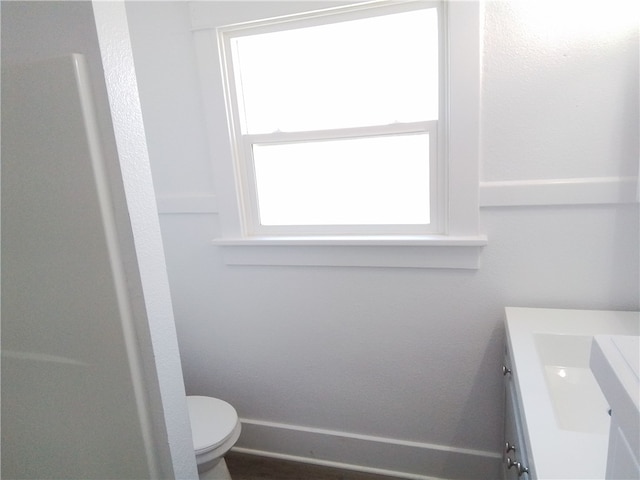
[457, 242]
[242, 143]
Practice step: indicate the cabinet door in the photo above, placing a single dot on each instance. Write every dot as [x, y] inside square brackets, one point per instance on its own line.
[510, 446]
[514, 456]
[622, 461]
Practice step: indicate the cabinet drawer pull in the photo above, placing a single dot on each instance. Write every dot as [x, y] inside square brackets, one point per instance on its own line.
[521, 469]
[505, 370]
[509, 447]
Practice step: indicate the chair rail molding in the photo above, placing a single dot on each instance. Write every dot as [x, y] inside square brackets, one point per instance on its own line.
[559, 191]
[508, 193]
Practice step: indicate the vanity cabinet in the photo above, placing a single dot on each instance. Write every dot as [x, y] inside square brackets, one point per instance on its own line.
[514, 449]
[558, 395]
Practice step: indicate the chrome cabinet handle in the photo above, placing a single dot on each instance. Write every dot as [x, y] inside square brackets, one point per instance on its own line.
[509, 447]
[521, 469]
[505, 370]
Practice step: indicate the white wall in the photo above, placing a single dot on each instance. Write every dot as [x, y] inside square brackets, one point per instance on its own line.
[399, 369]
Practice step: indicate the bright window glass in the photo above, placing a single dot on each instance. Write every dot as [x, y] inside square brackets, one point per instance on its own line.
[374, 180]
[371, 71]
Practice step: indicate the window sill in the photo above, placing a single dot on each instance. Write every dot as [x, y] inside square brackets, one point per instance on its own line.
[429, 251]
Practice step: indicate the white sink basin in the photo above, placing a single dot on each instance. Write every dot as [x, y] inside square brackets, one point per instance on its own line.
[578, 402]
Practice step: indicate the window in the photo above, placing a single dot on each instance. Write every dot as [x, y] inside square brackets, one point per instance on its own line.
[341, 122]
[335, 120]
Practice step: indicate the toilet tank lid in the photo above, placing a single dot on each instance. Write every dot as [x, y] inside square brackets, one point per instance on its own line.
[212, 421]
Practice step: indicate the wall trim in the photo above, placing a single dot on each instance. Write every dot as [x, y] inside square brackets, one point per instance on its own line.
[560, 191]
[346, 252]
[326, 463]
[512, 193]
[386, 456]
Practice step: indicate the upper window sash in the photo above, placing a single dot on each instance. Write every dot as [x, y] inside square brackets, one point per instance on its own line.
[323, 16]
[326, 17]
[343, 72]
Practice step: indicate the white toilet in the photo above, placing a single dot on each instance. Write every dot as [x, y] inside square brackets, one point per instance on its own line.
[215, 428]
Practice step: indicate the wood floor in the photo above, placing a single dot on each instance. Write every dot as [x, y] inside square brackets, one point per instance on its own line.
[251, 467]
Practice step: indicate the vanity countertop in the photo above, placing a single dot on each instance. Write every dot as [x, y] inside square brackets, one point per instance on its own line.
[564, 411]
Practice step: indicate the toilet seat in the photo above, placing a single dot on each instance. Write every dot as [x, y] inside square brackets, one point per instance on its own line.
[213, 422]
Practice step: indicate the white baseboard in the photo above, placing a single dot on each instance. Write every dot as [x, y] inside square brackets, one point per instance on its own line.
[384, 456]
